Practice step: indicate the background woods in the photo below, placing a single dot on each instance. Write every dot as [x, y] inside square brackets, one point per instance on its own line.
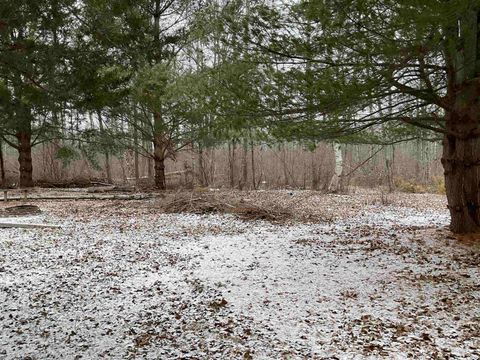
[410, 167]
[244, 94]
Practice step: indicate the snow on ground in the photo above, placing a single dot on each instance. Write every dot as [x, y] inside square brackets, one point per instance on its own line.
[115, 282]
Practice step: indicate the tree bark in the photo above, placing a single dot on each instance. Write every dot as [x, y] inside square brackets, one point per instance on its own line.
[159, 162]
[2, 166]
[148, 160]
[389, 167]
[107, 154]
[160, 182]
[252, 155]
[160, 147]
[461, 163]
[243, 181]
[461, 142]
[202, 175]
[25, 158]
[231, 163]
[135, 154]
[335, 182]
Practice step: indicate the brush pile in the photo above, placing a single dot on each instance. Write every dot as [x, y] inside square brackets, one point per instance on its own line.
[208, 203]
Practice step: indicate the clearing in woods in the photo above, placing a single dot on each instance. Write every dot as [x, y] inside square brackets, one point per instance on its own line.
[229, 275]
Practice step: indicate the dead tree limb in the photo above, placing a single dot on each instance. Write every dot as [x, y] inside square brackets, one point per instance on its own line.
[82, 197]
[28, 226]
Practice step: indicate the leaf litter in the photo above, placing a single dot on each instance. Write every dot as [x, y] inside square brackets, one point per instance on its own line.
[130, 280]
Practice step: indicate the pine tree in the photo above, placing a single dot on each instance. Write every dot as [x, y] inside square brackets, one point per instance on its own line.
[34, 48]
[386, 66]
[148, 38]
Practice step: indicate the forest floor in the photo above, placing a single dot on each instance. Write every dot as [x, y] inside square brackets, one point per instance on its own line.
[240, 275]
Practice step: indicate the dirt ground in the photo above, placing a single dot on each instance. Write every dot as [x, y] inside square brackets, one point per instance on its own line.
[239, 275]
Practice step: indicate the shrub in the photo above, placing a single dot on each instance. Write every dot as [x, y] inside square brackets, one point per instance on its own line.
[409, 186]
[439, 185]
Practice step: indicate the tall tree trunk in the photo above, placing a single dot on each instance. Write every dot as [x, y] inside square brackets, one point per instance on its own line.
[160, 182]
[25, 158]
[461, 162]
[149, 160]
[159, 163]
[304, 175]
[107, 154]
[389, 167]
[135, 151]
[284, 163]
[137, 167]
[2, 166]
[244, 179]
[231, 163]
[160, 144]
[315, 172]
[252, 153]
[461, 142]
[335, 183]
[202, 176]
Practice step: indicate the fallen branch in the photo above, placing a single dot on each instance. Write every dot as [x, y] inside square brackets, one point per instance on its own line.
[209, 203]
[363, 162]
[82, 197]
[28, 226]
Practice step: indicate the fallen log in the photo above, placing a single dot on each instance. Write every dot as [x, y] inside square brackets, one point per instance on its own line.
[82, 197]
[28, 226]
[109, 189]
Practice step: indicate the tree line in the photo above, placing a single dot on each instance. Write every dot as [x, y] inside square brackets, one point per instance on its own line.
[159, 76]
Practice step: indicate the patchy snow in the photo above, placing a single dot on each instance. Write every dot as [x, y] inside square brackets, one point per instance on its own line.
[117, 283]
